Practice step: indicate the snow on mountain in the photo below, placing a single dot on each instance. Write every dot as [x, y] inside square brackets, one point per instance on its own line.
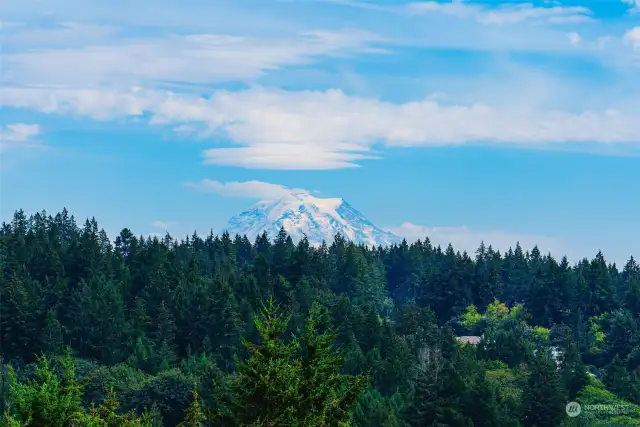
[303, 214]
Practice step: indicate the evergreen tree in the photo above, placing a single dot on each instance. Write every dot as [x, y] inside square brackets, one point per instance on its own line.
[267, 384]
[106, 415]
[439, 387]
[52, 342]
[174, 310]
[194, 415]
[617, 378]
[47, 400]
[326, 396]
[18, 318]
[544, 400]
[573, 371]
[279, 386]
[226, 324]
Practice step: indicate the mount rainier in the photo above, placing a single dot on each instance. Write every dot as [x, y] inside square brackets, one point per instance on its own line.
[319, 219]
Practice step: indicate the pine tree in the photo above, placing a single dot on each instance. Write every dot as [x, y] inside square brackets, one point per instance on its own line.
[52, 334]
[295, 383]
[283, 249]
[194, 414]
[226, 324]
[106, 415]
[326, 396]
[617, 378]
[544, 399]
[47, 400]
[140, 357]
[164, 338]
[267, 385]
[573, 371]
[17, 318]
[481, 404]
[439, 387]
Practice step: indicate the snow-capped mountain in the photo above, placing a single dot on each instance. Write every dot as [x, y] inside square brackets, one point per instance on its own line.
[303, 214]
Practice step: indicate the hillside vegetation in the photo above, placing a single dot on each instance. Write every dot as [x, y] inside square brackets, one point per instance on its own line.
[221, 331]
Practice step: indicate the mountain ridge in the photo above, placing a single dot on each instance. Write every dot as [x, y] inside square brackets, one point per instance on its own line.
[302, 214]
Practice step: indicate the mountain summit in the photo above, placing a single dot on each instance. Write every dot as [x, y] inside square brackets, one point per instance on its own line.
[319, 219]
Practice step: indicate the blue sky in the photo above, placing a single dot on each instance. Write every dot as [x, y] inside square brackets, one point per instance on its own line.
[462, 121]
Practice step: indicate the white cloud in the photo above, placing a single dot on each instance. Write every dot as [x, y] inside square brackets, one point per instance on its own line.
[185, 130]
[164, 225]
[291, 156]
[505, 13]
[20, 132]
[276, 129]
[248, 189]
[464, 239]
[504, 27]
[632, 37]
[575, 38]
[19, 135]
[502, 14]
[197, 58]
[633, 4]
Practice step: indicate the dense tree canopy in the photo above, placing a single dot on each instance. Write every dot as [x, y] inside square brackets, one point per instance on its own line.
[217, 330]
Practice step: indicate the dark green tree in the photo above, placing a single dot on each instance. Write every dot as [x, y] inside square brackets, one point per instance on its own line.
[544, 399]
[573, 371]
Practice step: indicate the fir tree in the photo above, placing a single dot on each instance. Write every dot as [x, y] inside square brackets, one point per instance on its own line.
[326, 396]
[47, 400]
[617, 378]
[194, 414]
[544, 399]
[573, 371]
[268, 383]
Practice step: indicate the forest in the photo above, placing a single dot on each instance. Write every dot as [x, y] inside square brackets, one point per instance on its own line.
[218, 330]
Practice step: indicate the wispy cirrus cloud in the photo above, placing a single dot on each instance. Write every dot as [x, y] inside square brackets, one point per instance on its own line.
[194, 58]
[501, 14]
[506, 13]
[506, 26]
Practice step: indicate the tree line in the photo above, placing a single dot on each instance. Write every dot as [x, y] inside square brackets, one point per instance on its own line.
[218, 330]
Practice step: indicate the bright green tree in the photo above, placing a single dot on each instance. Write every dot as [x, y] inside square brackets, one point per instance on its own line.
[267, 384]
[296, 382]
[106, 415]
[47, 400]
